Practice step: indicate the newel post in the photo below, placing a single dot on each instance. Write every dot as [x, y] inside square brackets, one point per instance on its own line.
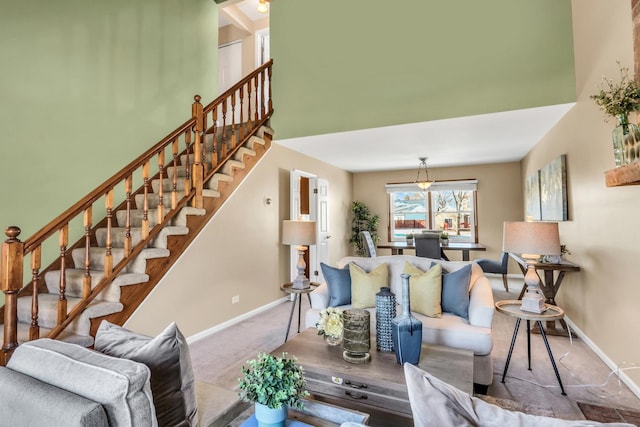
[198, 167]
[10, 283]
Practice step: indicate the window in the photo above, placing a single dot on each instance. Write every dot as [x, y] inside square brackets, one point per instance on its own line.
[447, 205]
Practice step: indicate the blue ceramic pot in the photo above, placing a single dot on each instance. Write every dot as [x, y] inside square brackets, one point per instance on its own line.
[269, 417]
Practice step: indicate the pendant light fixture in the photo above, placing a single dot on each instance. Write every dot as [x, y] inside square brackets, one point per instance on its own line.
[262, 6]
[425, 183]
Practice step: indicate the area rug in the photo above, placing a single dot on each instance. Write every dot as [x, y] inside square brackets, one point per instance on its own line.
[608, 415]
[516, 406]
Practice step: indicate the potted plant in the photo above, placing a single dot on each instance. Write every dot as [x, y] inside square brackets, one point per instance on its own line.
[618, 100]
[363, 220]
[409, 237]
[273, 384]
[444, 236]
[331, 325]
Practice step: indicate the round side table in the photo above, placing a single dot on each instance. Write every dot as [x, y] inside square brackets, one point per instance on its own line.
[512, 308]
[288, 288]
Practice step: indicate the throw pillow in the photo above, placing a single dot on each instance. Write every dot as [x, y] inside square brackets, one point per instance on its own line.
[455, 291]
[339, 284]
[425, 289]
[436, 403]
[364, 286]
[167, 356]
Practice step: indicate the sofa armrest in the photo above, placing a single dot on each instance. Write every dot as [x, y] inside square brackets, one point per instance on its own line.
[320, 297]
[481, 306]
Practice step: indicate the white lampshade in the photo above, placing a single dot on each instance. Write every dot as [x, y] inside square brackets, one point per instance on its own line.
[531, 238]
[298, 233]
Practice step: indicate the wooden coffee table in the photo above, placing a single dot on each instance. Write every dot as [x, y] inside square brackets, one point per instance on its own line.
[377, 387]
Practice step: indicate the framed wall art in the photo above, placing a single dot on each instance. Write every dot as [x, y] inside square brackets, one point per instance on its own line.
[553, 190]
[532, 197]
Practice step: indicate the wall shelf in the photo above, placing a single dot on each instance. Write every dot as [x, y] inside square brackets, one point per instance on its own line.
[623, 175]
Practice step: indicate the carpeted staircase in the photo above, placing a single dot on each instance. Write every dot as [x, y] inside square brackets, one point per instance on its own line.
[109, 302]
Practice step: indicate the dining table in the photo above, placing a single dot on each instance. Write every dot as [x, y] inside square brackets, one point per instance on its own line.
[397, 248]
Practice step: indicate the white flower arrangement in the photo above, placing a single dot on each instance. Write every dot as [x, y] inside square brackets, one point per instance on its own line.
[330, 323]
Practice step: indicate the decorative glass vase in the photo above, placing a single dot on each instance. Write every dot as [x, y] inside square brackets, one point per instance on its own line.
[385, 312]
[406, 330]
[626, 141]
[357, 335]
[269, 417]
[331, 340]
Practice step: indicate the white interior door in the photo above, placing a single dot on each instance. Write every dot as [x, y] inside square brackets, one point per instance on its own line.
[229, 73]
[322, 227]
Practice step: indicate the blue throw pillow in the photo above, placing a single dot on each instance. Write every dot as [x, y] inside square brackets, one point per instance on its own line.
[455, 291]
[339, 284]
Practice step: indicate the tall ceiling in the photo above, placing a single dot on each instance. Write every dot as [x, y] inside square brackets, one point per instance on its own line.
[372, 85]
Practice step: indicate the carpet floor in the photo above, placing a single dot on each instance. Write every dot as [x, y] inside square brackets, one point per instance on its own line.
[217, 360]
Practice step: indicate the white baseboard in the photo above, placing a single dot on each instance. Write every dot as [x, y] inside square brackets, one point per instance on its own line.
[231, 322]
[635, 389]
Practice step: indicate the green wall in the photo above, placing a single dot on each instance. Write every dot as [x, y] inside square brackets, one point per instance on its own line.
[345, 65]
[87, 86]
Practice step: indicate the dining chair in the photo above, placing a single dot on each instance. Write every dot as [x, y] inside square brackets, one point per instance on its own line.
[496, 267]
[367, 243]
[428, 245]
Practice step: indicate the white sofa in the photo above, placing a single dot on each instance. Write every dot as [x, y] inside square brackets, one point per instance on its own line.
[449, 330]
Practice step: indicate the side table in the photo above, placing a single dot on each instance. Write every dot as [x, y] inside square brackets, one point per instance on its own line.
[552, 313]
[288, 288]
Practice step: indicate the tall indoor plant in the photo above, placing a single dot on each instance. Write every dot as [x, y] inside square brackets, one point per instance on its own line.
[619, 100]
[363, 220]
[274, 384]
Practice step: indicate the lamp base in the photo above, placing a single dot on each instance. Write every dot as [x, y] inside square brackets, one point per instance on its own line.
[299, 283]
[533, 302]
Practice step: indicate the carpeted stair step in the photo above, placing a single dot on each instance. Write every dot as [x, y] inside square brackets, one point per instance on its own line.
[181, 218]
[217, 178]
[230, 166]
[23, 335]
[153, 199]
[264, 129]
[169, 230]
[244, 151]
[75, 280]
[48, 312]
[254, 141]
[118, 236]
[136, 217]
[96, 258]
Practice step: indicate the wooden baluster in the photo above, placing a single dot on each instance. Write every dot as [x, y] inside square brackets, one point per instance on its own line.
[223, 153]
[249, 115]
[262, 92]
[36, 263]
[174, 183]
[63, 241]
[86, 278]
[214, 152]
[145, 204]
[161, 189]
[257, 95]
[270, 93]
[187, 178]
[241, 95]
[108, 257]
[233, 121]
[11, 282]
[128, 243]
[198, 170]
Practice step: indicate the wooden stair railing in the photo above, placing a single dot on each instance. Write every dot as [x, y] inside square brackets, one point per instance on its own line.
[230, 120]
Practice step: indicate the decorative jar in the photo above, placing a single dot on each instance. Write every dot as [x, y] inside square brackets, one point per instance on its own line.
[385, 312]
[626, 141]
[357, 335]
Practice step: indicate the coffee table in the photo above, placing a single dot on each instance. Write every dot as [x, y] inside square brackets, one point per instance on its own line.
[375, 387]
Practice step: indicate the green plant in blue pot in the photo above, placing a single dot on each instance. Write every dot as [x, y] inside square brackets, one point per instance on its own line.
[274, 384]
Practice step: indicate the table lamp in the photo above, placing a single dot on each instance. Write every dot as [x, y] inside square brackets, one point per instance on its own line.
[531, 240]
[301, 234]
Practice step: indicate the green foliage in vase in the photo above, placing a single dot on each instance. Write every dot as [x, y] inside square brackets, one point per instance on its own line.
[273, 381]
[618, 99]
[363, 220]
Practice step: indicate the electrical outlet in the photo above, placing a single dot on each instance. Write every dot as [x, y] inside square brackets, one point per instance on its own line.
[235, 299]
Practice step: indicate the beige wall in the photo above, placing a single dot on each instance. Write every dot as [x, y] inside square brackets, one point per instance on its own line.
[602, 231]
[499, 198]
[239, 251]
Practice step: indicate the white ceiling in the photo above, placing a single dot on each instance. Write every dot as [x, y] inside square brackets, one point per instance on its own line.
[487, 138]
